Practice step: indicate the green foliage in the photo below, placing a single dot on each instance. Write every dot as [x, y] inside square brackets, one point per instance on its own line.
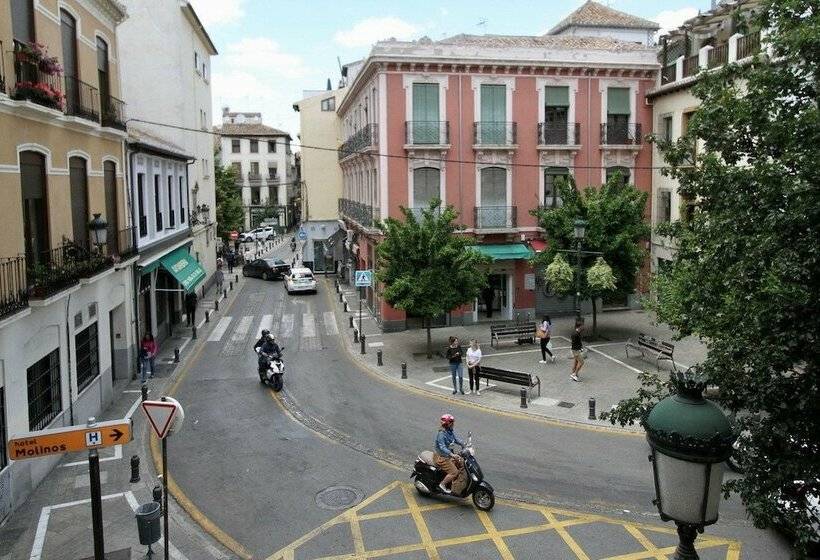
[600, 277]
[230, 215]
[747, 268]
[559, 275]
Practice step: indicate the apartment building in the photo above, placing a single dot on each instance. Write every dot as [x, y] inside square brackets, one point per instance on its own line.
[68, 247]
[487, 124]
[264, 168]
[702, 44]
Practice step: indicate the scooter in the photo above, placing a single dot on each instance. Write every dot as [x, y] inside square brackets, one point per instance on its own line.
[271, 370]
[428, 477]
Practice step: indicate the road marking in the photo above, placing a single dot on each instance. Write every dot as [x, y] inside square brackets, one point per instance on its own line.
[562, 532]
[286, 325]
[374, 344]
[489, 527]
[134, 406]
[240, 333]
[616, 360]
[436, 383]
[329, 320]
[421, 525]
[308, 325]
[219, 330]
[653, 550]
[266, 324]
[117, 455]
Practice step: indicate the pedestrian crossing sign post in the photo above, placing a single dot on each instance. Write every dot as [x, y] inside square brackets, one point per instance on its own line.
[364, 278]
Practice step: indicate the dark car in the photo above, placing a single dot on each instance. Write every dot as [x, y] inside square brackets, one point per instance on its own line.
[266, 269]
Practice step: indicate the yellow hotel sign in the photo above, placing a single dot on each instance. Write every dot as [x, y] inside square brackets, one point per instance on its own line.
[71, 438]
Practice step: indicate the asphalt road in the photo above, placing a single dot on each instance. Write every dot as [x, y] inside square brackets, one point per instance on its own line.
[252, 463]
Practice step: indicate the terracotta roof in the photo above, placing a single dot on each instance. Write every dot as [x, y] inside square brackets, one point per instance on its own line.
[249, 129]
[567, 42]
[593, 14]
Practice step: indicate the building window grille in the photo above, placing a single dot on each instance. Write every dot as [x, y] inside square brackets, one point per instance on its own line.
[88, 356]
[44, 392]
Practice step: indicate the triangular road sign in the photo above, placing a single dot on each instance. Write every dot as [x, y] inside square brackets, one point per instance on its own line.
[160, 415]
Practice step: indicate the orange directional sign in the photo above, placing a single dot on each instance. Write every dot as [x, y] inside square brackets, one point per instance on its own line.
[70, 438]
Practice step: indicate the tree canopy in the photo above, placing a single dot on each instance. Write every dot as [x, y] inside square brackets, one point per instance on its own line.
[230, 215]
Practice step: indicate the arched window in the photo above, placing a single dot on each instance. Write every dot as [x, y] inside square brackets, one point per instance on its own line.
[618, 170]
[426, 186]
[35, 211]
[78, 180]
[493, 211]
[553, 176]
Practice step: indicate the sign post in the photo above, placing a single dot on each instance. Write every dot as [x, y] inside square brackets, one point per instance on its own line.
[364, 279]
[96, 504]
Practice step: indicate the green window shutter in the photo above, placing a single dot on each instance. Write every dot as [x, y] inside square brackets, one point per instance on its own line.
[425, 114]
[557, 96]
[617, 101]
[493, 114]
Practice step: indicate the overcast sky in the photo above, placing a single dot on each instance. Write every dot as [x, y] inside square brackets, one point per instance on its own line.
[272, 50]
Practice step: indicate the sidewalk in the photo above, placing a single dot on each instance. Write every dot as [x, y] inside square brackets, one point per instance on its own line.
[55, 522]
[608, 375]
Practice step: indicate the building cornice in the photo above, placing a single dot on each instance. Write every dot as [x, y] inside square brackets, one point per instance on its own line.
[199, 29]
[110, 12]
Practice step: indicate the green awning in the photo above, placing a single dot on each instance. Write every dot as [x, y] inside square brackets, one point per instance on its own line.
[504, 251]
[557, 96]
[184, 268]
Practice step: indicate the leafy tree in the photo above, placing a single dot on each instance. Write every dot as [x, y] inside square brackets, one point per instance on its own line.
[426, 267]
[747, 268]
[230, 215]
[615, 226]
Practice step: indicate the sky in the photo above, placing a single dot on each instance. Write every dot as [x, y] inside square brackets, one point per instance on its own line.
[272, 50]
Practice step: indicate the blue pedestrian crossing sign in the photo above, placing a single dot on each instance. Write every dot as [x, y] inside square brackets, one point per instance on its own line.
[302, 234]
[364, 278]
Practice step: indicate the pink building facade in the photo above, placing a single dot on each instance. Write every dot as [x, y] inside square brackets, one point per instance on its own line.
[487, 124]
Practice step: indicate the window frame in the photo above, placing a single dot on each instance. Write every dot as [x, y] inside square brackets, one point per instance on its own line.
[254, 146]
[328, 104]
[54, 389]
[552, 172]
[664, 206]
[87, 373]
[236, 145]
[272, 143]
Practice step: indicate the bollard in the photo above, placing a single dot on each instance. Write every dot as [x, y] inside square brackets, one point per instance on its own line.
[592, 408]
[347, 309]
[156, 494]
[361, 339]
[224, 294]
[193, 332]
[230, 285]
[135, 469]
[237, 279]
[351, 321]
[207, 316]
[341, 296]
[144, 391]
[216, 305]
[176, 355]
[404, 370]
[355, 335]
[379, 357]
[523, 397]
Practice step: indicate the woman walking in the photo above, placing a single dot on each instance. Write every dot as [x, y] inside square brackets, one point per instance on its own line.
[454, 360]
[473, 366]
[545, 334]
[148, 351]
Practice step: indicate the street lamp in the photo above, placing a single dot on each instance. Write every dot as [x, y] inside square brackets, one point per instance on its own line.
[580, 231]
[99, 230]
[690, 439]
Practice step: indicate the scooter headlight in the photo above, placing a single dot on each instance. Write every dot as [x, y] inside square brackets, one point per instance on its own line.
[474, 477]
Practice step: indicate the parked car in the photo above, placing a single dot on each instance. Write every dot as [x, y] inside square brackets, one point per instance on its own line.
[300, 280]
[266, 269]
[264, 233]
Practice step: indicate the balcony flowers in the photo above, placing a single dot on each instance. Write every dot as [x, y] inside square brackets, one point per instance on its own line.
[41, 93]
[37, 54]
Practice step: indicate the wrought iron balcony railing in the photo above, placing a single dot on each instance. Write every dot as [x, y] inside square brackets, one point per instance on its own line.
[494, 133]
[420, 133]
[81, 99]
[364, 214]
[13, 286]
[621, 134]
[561, 134]
[495, 217]
[50, 271]
[254, 178]
[113, 113]
[748, 45]
[33, 84]
[363, 139]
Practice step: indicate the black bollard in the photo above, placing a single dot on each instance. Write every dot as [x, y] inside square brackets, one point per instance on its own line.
[523, 397]
[347, 309]
[237, 279]
[404, 370]
[156, 494]
[216, 305]
[207, 316]
[379, 357]
[351, 321]
[176, 355]
[592, 408]
[361, 339]
[144, 391]
[355, 335]
[230, 285]
[193, 332]
[341, 296]
[224, 294]
[135, 469]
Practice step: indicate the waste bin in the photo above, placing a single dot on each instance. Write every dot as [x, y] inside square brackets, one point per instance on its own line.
[148, 524]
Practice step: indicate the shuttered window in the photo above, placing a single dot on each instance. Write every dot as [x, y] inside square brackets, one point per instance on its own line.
[426, 186]
[493, 114]
[78, 180]
[617, 101]
[425, 114]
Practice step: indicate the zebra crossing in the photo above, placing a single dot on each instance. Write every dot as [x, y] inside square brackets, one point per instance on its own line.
[236, 331]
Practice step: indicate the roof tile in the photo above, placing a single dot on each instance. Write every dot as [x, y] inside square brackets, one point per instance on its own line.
[249, 129]
[593, 14]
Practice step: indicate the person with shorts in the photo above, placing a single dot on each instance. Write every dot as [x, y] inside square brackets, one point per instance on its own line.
[577, 353]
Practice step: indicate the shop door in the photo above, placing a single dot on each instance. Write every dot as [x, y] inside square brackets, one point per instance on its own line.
[494, 301]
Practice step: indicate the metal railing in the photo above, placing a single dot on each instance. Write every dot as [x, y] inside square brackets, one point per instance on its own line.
[669, 73]
[13, 287]
[563, 134]
[364, 214]
[494, 133]
[122, 242]
[621, 134]
[60, 268]
[113, 113]
[81, 99]
[748, 45]
[718, 56]
[495, 217]
[427, 132]
[273, 178]
[691, 65]
[32, 84]
[363, 139]
[254, 178]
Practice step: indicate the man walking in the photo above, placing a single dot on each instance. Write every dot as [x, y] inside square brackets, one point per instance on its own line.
[190, 308]
[577, 352]
[231, 258]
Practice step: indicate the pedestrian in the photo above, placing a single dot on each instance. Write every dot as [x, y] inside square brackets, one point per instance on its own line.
[454, 359]
[148, 352]
[247, 256]
[577, 352]
[190, 308]
[220, 279]
[544, 334]
[474, 366]
[230, 258]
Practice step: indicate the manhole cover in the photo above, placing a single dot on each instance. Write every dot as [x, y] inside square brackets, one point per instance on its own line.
[565, 404]
[338, 497]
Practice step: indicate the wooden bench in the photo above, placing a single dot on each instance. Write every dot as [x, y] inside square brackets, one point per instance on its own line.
[519, 378]
[644, 343]
[522, 332]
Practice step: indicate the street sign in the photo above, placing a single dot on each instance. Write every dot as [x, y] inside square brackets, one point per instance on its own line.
[302, 234]
[164, 416]
[364, 278]
[234, 235]
[71, 438]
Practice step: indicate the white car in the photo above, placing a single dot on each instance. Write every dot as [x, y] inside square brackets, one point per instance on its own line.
[264, 233]
[300, 280]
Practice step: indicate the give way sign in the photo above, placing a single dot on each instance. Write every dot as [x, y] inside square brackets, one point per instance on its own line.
[165, 416]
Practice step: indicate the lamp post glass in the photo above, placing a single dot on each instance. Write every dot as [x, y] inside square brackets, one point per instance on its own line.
[99, 230]
[580, 229]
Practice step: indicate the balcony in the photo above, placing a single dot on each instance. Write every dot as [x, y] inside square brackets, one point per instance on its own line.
[668, 73]
[254, 178]
[121, 244]
[691, 65]
[364, 139]
[494, 133]
[13, 286]
[113, 113]
[35, 78]
[626, 134]
[562, 134]
[427, 133]
[748, 45]
[63, 267]
[81, 99]
[273, 178]
[718, 56]
[495, 217]
[365, 215]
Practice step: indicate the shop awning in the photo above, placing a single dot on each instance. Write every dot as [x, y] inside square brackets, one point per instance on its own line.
[184, 268]
[504, 251]
[538, 245]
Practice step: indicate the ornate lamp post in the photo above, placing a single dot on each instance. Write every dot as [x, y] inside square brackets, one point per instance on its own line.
[99, 231]
[580, 233]
[690, 439]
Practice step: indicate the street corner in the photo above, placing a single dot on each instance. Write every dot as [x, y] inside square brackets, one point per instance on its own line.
[397, 523]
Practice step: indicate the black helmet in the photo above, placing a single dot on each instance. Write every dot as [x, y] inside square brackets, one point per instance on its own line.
[265, 332]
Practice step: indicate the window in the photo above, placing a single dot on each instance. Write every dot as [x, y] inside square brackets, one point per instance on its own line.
[425, 114]
[4, 461]
[493, 209]
[204, 71]
[196, 61]
[553, 176]
[182, 199]
[617, 116]
[205, 168]
[88, 357]
[271, 146]
[556, 115]
[68, 34]
[111, 213]
[492, 128]
[171, 214]
[158, 204]
[78, 181]
[255, 195]
[667, 128]
[687, 117]
[22, 20]
[621, 172]
[44, 394]
[235, 146]
[102, 76]
[426, 186]
[272, 174]
[254, 168]
[141, 204]
[665, 206]
[328, 104]
[254, 146]
[663, 266]
[35, 214]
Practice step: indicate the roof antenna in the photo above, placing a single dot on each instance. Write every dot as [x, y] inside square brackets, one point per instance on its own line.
[481, 23]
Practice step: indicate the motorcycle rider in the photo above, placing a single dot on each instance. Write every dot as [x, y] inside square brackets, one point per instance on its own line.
[261, 341]
[444, 457]
[267, 352]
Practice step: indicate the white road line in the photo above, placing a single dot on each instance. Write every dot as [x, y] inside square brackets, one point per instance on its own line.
[240, 333]
[134, 406]
[286, 326]
[374, 344]
[329, 319]
[117, 455]
[616, 360]
[449, 378]
[266, 323]
[308, 325]
[219, 330]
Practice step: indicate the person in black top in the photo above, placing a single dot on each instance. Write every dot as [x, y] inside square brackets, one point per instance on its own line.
[454, 359]
[190, 308]
[261, 341]
[577, 352]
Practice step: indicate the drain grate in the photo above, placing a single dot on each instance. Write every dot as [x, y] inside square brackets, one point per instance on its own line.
[565, 404]
[338, 497]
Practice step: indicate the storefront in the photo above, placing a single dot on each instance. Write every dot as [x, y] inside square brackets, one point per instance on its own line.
[509, 294]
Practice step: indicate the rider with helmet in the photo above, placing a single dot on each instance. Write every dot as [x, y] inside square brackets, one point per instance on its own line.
[261, 341]
[270, 348]
[444, 457]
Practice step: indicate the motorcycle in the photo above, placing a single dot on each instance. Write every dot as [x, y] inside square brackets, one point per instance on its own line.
[428, 477]
[271, 370]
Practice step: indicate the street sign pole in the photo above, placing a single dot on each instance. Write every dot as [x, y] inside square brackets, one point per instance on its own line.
[165, 489]
[96, 504]
[361, 290]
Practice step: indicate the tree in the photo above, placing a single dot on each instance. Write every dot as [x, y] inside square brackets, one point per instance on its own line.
[230, 215]
[747, 267]
[615, 227]
[427, 268]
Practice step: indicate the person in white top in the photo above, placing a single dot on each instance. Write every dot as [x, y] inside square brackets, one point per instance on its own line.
[473, 367]
[546, 333]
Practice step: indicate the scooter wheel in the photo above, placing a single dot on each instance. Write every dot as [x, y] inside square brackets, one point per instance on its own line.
[483, 499]
[421, 488]
[261, 379]
[277, 384]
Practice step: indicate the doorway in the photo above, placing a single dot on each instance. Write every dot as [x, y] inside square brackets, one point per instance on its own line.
[494, 302]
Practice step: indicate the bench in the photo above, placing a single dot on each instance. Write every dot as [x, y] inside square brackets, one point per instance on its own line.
[644, 343]
[509, 376]
[522, 332]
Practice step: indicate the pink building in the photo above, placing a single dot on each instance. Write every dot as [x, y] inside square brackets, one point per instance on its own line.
[487, 123]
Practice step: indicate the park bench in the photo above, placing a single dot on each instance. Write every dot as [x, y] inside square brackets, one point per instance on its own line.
[522, 332]
[519, 378]
[661, 349]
